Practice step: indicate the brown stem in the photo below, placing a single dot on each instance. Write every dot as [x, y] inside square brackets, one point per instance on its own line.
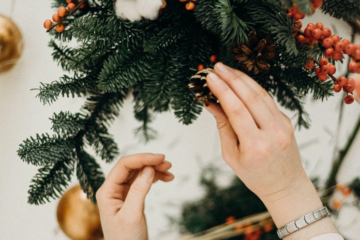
[67, 14]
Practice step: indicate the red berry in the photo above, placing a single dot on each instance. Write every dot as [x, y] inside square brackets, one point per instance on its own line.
[345, 42]
[357, 46]
[350, 85]
[337, 56]
[357, 54]
[56, 18]
[62, 11]
[339, 46]
[60, 28]
[299, 15]
[341, 81]
[350, 49]
[48, 24]
[326, 32]
[335, 38]
[69, 1]
[323, 77]
[84, 5]
[308, 32]
[300, 38]
[309, 65]
[317, 70]
[201, 67]
[316, 33]
[325, 69]
[332, 69]
[337, 88]
[319, 25]
[353, 66]
[311, 25]
[71, 6]
[349, 99]
[323, 62]
[213, 58]
[317, 3]
[329, 53]
[298, 24]
[290, 15]
[328, 42]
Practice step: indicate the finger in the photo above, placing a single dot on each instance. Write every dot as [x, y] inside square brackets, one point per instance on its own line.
[252, 100]
[257, 88]
[163, 167]
[229, 140]
[238, 115]
[120, 172]
[164, 176]
[134, 202]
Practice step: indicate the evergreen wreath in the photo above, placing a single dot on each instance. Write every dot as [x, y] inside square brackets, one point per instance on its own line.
[153, 60]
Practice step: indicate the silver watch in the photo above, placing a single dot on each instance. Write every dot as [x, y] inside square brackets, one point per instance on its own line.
[303, 222]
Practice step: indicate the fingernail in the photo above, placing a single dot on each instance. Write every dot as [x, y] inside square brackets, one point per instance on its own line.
[147, 172]
[212, 77]
[221, 67]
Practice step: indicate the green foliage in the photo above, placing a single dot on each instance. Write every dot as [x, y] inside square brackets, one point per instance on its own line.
[219, 203]
[110, 58]
[303, 5]
[349, 10]
[355, 186]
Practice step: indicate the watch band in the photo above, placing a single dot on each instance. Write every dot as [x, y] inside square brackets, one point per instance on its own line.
[303, 222]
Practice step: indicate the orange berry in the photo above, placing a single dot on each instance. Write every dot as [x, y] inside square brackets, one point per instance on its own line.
[349, 99]
[319, 25]
[316, 33]
[353, 66]
[56, 18]
[71, 6]
[345, 42]
[201, 67]
[190, 6]
[268, 228]
[323, 77]
[337, 56]
[213, 58]
[328, 42]
[300, 38]
[323, 62]
[339, 46]
[230, 220]
[69, 1]
[329, 53]
[337, 88]
[335, 38]
[350, 49]
[337, 204]
[341, 82]
[48, 24]
[349, 85]
[82, 6]
[60, 28]
[346, 191]
[62, 11]
[332, 69]
[309, 65]
[326, 32]
[317, 70]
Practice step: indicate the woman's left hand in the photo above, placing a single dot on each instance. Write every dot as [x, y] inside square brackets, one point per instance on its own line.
[121, 197]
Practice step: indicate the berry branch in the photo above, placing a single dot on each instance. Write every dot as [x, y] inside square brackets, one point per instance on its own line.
[61, 15]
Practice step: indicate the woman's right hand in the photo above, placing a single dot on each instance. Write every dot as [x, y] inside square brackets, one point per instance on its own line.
[258, 143]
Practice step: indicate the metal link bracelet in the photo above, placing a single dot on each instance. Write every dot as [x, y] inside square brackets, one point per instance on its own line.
[303, 222]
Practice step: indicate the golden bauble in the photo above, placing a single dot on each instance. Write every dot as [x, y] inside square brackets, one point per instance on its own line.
[78, 217]
[11, 44]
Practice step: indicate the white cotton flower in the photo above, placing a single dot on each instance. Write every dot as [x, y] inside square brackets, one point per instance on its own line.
[134, 10]
[149, 8]
[126, 9]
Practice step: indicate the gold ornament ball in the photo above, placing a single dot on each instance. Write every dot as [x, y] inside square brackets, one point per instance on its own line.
[78, 217]
[11, 44]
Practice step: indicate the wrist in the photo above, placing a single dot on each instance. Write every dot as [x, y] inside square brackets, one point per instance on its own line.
[293, 203]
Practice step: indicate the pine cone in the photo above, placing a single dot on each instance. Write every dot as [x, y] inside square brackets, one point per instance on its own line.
[199, 86]
[254, 54]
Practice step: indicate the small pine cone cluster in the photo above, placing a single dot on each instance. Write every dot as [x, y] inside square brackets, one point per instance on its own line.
[199, 86]
[255, 54]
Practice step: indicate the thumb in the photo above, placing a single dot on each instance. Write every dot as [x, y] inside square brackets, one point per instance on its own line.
[134, 202]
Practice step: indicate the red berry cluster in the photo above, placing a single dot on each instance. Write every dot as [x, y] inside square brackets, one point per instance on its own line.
[295, 13]
[61, 14]
[213, 58]
[348, 85]
[323, 70]
[190, 4]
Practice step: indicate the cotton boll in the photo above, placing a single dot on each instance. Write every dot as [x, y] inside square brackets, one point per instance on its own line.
[126, 9]
[149, 8]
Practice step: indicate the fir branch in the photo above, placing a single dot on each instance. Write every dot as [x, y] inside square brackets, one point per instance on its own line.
[78, 86]
[67, 124]
[62, 55]
[45, 149]
[303, 5]
[50, 181]
[348, 10]
[271, 19]
[89, 174]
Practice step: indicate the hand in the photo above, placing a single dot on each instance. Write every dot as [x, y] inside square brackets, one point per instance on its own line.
[121, 197]
[258, 143]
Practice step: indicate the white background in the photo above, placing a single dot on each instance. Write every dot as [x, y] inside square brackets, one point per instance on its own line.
[189, 148]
